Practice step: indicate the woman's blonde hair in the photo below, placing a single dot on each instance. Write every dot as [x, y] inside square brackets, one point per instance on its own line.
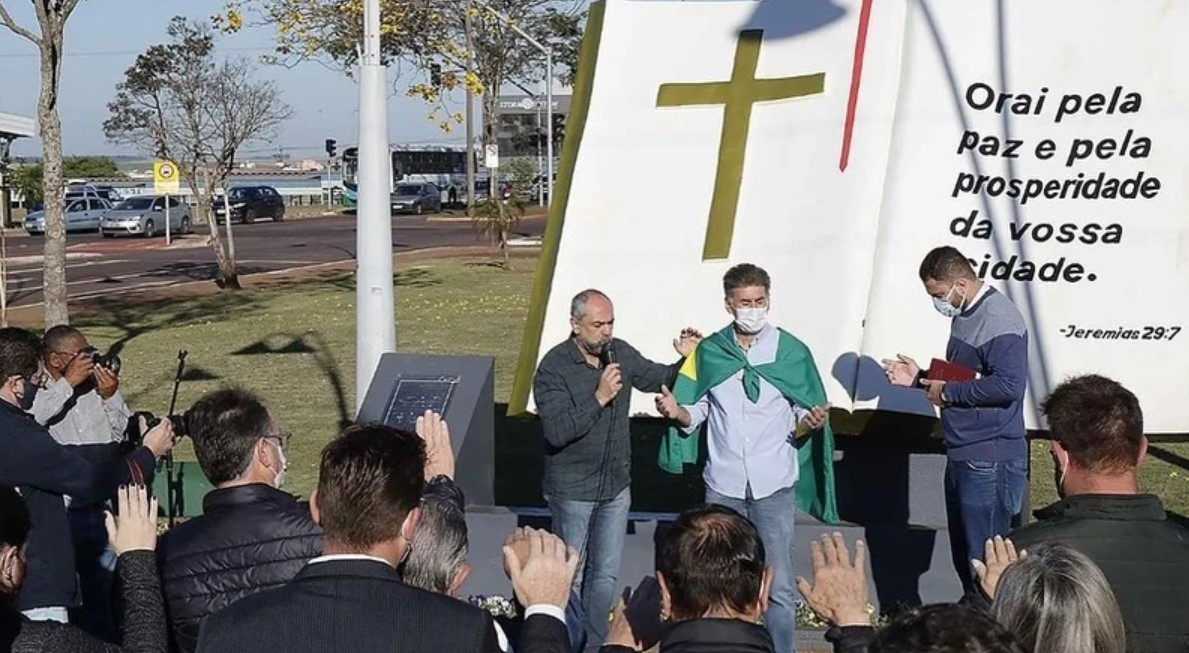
[1056, 600]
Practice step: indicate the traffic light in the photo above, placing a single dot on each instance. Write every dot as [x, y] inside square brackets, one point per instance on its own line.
[435, 74]
[330, 147]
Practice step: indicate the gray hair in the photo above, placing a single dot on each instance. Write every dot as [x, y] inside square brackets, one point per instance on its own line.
[578, 303]
[439, 546]
[1056, 600]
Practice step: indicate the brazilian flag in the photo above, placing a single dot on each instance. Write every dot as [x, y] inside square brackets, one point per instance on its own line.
[716, 359]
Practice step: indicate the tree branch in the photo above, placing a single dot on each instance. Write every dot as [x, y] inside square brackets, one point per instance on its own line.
[7, 21]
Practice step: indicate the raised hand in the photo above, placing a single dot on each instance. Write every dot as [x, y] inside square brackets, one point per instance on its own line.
[1000, 554]
[79, 369]
[901, 370]
[545, 578]
[667, 406]
[439, 453]
[816, 418]
[839, 589]
[135, 528]
[685, 343]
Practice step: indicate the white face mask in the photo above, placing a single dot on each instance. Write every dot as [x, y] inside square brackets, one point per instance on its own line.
[943, 305]
[284, 465]
[751, 320]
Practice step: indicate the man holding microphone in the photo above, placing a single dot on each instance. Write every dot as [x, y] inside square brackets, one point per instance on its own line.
[582, 390]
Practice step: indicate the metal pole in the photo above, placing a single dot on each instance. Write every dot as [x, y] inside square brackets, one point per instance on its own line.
[470, 117]
[540, 163]
[549, 125]
[375, 313]
[168, 235]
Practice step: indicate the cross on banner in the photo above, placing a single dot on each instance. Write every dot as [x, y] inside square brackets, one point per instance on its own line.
[737, 97]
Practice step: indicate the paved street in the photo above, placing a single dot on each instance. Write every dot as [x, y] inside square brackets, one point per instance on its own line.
[101, 266]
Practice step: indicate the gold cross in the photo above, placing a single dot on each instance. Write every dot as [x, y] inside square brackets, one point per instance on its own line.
[737, 96]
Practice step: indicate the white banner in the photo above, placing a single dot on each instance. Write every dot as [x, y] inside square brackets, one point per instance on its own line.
[722, 132]
[1048, 144]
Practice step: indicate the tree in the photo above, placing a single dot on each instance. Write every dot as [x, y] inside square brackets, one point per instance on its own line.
[177, 103]
[51, 20]
[29, 179]
[496, 219]
[90, 167]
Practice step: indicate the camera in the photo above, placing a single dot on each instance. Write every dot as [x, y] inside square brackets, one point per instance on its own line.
[135, 436]
[109, 360]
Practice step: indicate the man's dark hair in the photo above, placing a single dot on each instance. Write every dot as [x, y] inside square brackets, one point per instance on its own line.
[1098, 421]
[20, 353]
[55, 338]
[14, 518]
[745, 275]
[946, 264]
[225, 426]
[372, 476]
[944, 628]
[712, 557]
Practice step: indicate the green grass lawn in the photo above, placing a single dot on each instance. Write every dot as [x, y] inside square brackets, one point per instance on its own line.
[295, 347]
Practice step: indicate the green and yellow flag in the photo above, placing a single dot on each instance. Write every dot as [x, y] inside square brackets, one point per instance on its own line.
[716, 359]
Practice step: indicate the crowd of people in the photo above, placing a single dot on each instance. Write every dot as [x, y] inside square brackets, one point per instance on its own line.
[377, 558]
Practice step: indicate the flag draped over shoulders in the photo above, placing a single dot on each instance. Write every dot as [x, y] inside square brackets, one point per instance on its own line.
[794, 374]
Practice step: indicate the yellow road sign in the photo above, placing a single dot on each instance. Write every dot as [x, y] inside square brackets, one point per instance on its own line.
[165, 177]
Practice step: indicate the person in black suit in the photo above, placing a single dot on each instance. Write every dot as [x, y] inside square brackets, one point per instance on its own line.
[352, 598]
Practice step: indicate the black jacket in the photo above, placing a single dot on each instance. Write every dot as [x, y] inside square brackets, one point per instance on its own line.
[249, 538]
[1144, 555]
[43, 471]
[139, 602]
[361, 606]
[710, 636]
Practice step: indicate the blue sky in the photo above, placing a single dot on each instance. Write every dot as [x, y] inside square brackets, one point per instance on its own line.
[103, 38]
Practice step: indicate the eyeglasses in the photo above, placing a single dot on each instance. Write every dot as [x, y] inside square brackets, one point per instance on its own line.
[281, 437]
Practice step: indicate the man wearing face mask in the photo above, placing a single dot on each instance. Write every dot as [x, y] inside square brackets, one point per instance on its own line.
[251, 535]
[82, 407]
[582, 390]
[982, 420]
[45, 472]
[758, 391]
[1098, 446]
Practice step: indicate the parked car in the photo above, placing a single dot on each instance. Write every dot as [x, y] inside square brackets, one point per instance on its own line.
[250, 203]
[416, 198]
[86, 191]
[145, 215]
[81, 215]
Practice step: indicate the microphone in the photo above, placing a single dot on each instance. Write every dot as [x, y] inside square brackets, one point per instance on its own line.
[608, 356]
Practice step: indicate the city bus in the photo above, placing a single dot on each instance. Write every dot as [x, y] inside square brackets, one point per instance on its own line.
[441, 165]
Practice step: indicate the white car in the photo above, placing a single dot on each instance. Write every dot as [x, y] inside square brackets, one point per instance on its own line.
[81, 215]
[144, 215]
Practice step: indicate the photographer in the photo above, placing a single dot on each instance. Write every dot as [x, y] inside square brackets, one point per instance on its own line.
[82, 407]
[44, 472]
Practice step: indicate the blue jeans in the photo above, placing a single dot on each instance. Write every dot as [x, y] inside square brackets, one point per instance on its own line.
[599, 540]
[982, 499]
[95, 563]
[773, 516]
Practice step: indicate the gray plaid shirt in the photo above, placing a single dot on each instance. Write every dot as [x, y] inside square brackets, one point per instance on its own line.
[588, 451]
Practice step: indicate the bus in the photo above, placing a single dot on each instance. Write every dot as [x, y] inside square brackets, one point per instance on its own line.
[441, 165]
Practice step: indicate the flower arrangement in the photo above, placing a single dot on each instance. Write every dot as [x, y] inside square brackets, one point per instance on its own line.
[807, 619]
[497, 606]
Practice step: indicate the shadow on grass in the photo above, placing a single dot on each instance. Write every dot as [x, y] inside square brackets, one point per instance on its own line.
[311, 343]
[409, 278]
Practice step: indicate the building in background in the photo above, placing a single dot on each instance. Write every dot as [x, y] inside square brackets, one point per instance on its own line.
[522, 126]
[11, 128]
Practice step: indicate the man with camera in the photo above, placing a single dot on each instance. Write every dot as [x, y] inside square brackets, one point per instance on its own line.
[45, 472]
[82, 407]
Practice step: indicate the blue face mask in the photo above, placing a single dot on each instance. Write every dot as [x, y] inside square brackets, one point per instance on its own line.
[943, 305]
